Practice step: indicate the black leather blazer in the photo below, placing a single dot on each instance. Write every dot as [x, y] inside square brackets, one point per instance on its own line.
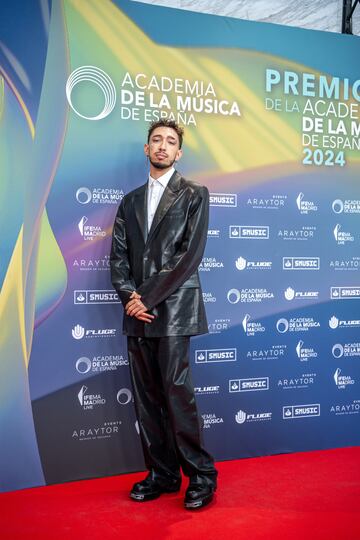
[162, 265]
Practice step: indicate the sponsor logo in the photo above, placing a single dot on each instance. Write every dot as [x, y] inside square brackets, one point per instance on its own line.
[347, 349]
[208, 297]
[90, 232]
[342, 237]
[83, 195]
[255, 295]
[218, 326]
[334, 323]
[346, 408]
[205, 390]
[348, 206]
[275, 202]
[337, 350]
[209, 356]
[274, 352]
[100, 363]
[89, 401]
[83, 365]
[248, 295]
[249, 232]
[96, 297]
[213, 233]
[251, 328]
[241, 417]
[210, 419]
[344, 293]
[182, 109]
[97, 432]
[304, 206]
[305, 353]
[291, 294]
[98, 195]
[342, 381]
[223, 199]
[93, 75]
[233, 296]
[79, 332]
[92, 264]
[301, 263]
[305, 381]
[210, 263]
[249, 385]
[345, 264]
[301, 411]
[296, 324]
[124, 396]
[305, 233]
[243, 264]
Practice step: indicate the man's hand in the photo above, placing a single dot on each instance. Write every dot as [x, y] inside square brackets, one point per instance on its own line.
[135, 308]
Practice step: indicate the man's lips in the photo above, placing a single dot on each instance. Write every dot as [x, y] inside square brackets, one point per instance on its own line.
[161, 156]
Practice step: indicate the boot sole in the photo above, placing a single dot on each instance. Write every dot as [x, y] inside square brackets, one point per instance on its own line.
[195, 505]
[151, 496]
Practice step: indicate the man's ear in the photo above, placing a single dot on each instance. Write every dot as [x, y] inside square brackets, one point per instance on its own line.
[146, 149]
[178, 154]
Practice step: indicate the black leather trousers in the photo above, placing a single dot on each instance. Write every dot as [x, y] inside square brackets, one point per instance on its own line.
[166, 408]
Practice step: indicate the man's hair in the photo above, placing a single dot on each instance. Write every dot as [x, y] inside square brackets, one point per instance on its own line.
[165, 122]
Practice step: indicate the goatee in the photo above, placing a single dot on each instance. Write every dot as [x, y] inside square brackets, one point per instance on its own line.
[160, 165]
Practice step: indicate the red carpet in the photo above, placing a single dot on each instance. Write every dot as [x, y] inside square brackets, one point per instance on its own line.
[312, 496]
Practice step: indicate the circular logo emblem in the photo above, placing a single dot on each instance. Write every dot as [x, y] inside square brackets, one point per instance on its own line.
[124, 396]
[338, 206]
[83, 195]
[337, 350]
[233, 296]
[96, 76]
[83, 365]
[282, 326]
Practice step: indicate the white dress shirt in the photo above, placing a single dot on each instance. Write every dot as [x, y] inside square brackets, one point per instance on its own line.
[156, 188]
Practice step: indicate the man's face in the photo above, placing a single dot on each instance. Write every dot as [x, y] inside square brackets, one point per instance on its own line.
[163, 148]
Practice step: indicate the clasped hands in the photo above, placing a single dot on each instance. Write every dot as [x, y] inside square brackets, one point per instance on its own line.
[135, 308]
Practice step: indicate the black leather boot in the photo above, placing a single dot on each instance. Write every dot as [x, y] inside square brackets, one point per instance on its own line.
[199, 493]
[152, 487]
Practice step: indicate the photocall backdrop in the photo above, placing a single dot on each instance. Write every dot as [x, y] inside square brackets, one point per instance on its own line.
[272, 128]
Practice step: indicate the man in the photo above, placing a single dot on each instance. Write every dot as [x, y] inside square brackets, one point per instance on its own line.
[159, 238]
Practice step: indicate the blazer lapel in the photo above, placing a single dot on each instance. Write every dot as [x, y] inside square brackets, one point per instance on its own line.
[166, 201]
[140, 206]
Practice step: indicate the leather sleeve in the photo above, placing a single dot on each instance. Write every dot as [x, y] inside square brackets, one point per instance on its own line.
[185, 262]
[121, 277]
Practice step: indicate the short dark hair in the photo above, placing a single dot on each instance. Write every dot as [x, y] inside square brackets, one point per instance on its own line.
[165, 122]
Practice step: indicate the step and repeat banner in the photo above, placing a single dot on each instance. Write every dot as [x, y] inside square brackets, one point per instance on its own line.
[272, 127]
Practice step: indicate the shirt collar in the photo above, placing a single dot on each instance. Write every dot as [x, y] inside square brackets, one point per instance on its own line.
[163, 179]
